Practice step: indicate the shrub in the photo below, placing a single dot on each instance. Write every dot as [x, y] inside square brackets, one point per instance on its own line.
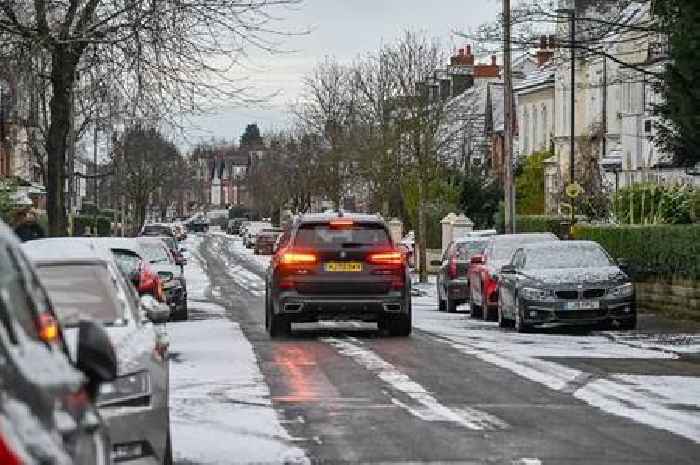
[647, 203]
[651, 251]
[529, 184]
[558, 225]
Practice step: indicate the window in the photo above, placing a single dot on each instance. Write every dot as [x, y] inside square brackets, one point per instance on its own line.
[545, 128]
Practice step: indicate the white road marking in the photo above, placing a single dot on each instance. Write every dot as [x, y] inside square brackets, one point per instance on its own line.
[427, 407]
[527, 461]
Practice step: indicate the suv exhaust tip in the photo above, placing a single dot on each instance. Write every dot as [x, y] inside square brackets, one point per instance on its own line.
[292, 308]
[392, 308]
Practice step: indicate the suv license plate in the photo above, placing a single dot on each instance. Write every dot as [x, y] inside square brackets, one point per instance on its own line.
[344, 267]
[583, 305]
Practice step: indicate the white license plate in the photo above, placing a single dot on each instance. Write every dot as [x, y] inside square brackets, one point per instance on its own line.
[583, 305]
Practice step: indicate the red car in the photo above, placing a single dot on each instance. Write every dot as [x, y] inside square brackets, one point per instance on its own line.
[484, 269]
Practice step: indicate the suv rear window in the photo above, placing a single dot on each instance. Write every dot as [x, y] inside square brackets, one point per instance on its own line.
[464, 250]
[322, 235]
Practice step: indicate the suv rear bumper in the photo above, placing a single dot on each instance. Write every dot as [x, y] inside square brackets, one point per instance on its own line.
[302, 307]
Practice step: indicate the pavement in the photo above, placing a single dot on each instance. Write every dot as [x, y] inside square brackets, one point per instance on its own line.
[457, 391]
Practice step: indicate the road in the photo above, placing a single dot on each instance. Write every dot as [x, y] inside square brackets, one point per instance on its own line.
[458, 390]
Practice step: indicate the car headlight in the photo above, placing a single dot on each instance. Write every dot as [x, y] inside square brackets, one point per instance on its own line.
[123, 388]
[539, 295]
[624, 290]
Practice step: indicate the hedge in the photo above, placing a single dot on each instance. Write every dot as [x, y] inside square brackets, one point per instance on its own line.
[80, 222]
[651, 251]
[558, 225]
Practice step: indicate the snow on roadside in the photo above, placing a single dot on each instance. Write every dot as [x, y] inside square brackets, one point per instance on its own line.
[665, 402]
[220, 406]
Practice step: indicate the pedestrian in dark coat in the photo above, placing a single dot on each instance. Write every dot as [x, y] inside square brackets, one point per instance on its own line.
[26, 226]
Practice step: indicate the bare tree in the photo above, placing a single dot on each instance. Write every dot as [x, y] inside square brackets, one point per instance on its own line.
[167, 58]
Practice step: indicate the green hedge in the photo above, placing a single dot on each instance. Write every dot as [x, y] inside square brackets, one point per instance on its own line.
[558, 225]
[80, 222]
[652, 251]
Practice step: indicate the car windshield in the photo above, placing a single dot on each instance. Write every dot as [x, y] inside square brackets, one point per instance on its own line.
[80, 291]
[568, 255]
[504, 248]
[322, 235]
[128, 262]
[155, 252]
[464, 250]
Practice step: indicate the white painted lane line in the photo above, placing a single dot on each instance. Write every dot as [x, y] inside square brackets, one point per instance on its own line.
[527, 461]
[426, 407]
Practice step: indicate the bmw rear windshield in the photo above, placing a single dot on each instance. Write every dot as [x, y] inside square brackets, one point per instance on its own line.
[327, 236]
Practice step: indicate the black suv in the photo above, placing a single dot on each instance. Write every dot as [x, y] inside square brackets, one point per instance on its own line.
[47, 410]
[338, 266]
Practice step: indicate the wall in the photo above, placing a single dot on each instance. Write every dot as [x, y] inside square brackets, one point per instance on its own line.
[534, 138]
[679, 299]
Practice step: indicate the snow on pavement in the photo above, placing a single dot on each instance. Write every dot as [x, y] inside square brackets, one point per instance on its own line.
[666, 402]
[220, 406]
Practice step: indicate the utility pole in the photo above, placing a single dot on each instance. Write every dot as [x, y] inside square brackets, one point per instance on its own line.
[572, 31]
[94, 179]
[509, 190]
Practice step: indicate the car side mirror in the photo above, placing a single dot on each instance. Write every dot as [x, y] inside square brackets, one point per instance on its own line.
[477, 259]
[96, 356]
[508, 269]
[155, 311]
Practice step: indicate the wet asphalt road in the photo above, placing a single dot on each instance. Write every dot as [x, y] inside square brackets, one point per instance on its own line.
[348, 395]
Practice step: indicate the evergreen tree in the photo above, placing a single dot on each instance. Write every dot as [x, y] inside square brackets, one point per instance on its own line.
[251, 136]
[679, 130]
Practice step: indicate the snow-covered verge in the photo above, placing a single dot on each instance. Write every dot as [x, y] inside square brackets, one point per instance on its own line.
[665, 402]
[220, 406]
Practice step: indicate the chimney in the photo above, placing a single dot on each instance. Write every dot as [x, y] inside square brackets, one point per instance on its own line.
[469, 50]
[463, 57]
[461, 52]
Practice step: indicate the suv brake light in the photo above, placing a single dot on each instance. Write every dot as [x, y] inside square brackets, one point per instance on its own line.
[291, 257]
[341, 223]
[386, 258]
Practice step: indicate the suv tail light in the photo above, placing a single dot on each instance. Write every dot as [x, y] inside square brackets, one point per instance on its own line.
[296, 258]
[452, 271]
[393, 257]
[7, 455]
[339, 223]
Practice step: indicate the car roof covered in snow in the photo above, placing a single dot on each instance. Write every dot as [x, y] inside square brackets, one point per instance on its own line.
[65, 248]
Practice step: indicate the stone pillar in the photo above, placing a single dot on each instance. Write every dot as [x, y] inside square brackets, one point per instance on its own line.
[396, 230]
[447, 225]
[461, 226]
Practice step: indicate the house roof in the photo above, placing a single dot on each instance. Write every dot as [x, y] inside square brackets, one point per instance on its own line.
[541, 78]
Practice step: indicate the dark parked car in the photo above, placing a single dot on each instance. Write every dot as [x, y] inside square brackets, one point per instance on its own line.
[87, 284]
[452, 279]
[170, 273]
[484, 269]
[565, 283]
[265, 240]
[48, 384]
[234, 226]
[338, 266]
[200, 224]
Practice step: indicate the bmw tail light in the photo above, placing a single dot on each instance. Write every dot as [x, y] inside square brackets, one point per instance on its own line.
[393, 257]
[296, 258]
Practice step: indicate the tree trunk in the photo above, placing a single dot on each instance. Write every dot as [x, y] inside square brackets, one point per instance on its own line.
[422, 231]
[62, 78]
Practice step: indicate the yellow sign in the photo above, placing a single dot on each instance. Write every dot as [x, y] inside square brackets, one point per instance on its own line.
[573, 190]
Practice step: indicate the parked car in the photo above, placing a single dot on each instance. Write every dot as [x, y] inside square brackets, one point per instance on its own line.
[265, 240]
[484, 269]
[338, 266]
[453, 276]
[48, 381]
[157, 229]
[234, 226]
[565, 283]
[252, 230]
[175, 250]
[135, 404]
[180, 231]
[170, 273]
[198, 224]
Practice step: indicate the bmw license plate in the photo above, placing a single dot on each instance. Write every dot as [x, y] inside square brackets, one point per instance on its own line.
[583, 305]
[344, 267]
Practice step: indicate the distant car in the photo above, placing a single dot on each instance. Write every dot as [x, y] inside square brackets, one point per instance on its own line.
[265, 240]
[45, 374]
[234, 226]
[175, 250]
[338, 266]
[180, 232]
[170, 273]
[484, 269]
[252, 230]
[199, 224]
[453, 276]
[157, 229]
[135, 404]
[565, 283]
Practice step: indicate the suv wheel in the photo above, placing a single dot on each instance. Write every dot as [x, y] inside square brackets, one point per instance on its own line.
[441, 302]
[451, 305]
[520, 325]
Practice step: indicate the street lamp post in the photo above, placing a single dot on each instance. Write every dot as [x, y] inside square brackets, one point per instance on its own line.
[571, 12]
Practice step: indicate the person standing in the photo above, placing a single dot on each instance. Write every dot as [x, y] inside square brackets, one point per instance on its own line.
[26, 226]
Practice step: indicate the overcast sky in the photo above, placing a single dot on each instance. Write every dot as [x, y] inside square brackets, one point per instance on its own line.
[340, 28]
